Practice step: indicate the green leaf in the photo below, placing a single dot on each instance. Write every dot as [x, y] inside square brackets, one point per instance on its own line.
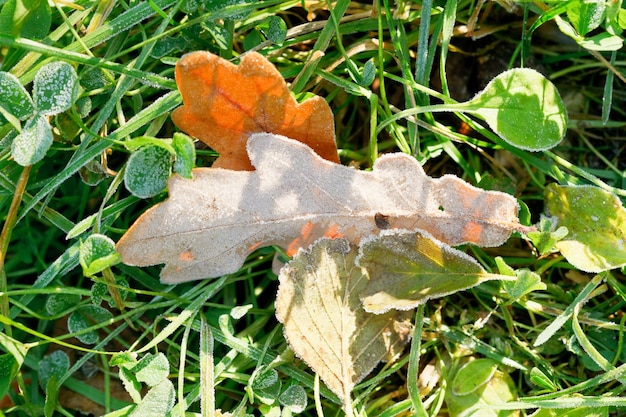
[157, 402]
[473, 375]
[223, 38]
[97, 253]
[31, 145]
[252, 39]
[15, 99]
[265, 385]
[407, 269]
[55, 364]
[264, 378]
[8, 371]
[152, 369]
[25, 18]
[526, 282]
[147, 171]
[85, 317]
[602, 42]
[596, 221]
[546, 237]
[55, 88]
[58, 303]
[487, 386]
[294, 398]
[523, 108]
[275, 29]
[368, 74]
[585, 15]
[185, 154]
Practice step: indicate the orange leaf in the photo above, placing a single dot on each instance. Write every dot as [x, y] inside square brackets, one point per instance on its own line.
[224, 104]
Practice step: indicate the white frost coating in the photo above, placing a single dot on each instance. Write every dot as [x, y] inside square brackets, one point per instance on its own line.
[211, 223]
[147, 171]
[30, 146]
[55, 88]
[14, 98]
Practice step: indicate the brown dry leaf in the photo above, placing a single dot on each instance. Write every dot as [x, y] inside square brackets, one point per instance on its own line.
[211, 223]
[224, 104]
[325, 323]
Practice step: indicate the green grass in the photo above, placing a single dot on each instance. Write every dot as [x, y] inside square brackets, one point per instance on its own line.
[125, 66]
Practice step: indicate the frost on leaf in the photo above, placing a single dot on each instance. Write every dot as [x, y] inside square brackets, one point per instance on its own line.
[55, 88]
[325, 323]
[596, 221]
[211, 223]
[407, 269]
[224, 104]
[31, 145]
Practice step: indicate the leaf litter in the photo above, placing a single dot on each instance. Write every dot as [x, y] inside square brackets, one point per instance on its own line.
[278, 182]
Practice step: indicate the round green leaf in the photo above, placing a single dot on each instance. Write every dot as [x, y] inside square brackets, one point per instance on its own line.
[147, 171]
[58, 303]
[25, 18]
[55, 364]
[97, 252]
[497, 388]
[294, 398]
[55, 88]
[275, 29]
[473, 375]
[15, 99]
[523, 108]
[31, 145]
[85, 317]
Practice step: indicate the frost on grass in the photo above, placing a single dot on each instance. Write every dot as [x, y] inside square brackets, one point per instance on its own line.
[55, 88]
[211, 223]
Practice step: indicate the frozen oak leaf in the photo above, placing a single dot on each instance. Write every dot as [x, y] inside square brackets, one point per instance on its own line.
[224, 104]
[211, 223]
[325, 323]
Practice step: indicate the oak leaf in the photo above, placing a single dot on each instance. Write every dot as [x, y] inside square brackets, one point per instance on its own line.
[224, 104]
[211, 223]
[325, 323]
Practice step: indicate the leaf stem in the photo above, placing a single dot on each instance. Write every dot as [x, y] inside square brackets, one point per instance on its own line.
[414, 362]
[5, 237]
